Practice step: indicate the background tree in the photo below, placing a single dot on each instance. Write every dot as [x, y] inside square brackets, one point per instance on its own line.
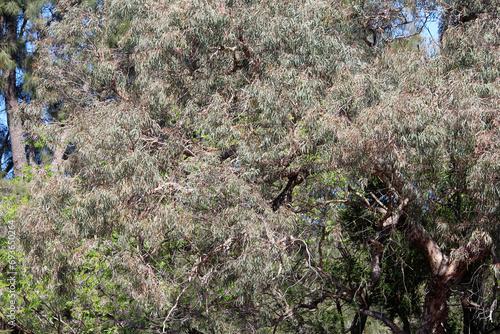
[18, 20]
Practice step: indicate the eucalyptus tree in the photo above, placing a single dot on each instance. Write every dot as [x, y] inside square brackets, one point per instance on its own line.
[239, 166]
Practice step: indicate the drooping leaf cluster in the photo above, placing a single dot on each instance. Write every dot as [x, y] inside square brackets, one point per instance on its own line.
[257, 166]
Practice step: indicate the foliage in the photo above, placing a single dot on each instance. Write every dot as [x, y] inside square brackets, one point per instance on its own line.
[260, 167]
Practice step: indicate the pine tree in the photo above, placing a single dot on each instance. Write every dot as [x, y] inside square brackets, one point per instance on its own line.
[17, 19]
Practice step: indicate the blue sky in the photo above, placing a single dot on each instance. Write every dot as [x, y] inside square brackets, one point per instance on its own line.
[431, 31]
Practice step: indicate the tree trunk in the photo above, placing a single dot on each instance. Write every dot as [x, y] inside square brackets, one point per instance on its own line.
[406, 325]
[359, 325]
[435, 307]
[11, 102]
[446, 272]
[468, 321]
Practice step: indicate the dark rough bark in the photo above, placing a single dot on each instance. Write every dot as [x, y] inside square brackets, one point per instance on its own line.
[11, 103]
[286, 195]
[435, 307]
[375, 260]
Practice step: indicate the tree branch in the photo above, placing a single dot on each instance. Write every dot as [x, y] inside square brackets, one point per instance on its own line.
[383, 318]
[286, 195]
[228, 153]
[314, 304]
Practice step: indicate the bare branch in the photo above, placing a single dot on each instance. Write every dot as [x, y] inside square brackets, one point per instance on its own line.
[314, 304]
[383, 318]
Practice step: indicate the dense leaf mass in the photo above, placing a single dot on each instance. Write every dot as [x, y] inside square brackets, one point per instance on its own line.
[262, 167]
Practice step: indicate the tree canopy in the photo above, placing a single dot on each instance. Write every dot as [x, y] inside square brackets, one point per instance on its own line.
[261, 167]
